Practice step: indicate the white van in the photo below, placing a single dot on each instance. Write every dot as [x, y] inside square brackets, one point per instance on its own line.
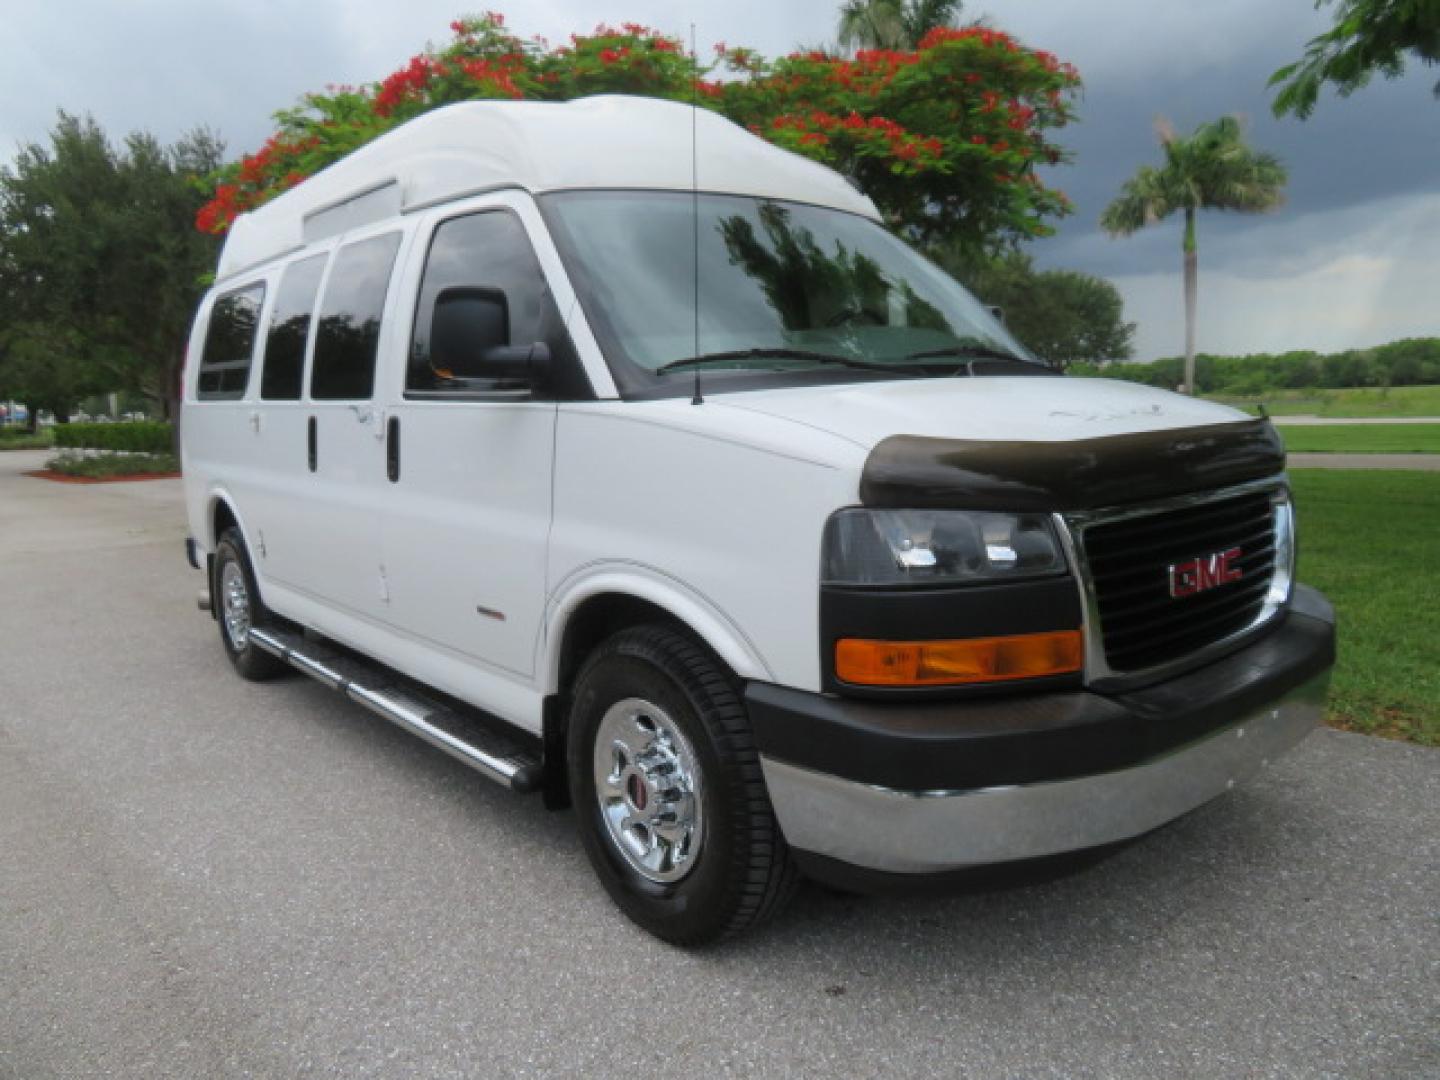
[778, 556]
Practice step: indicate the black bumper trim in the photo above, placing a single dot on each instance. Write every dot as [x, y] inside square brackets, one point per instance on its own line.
[1038, 737]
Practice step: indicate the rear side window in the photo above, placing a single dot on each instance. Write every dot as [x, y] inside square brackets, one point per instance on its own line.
[349, 333]
[284, 368]
[229, 344]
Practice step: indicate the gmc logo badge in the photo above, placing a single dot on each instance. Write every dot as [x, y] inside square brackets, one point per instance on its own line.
[1206, 572]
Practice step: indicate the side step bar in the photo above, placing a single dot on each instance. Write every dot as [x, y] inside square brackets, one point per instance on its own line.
[489, 754]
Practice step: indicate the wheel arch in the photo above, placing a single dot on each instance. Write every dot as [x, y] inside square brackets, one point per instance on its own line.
[586, 611]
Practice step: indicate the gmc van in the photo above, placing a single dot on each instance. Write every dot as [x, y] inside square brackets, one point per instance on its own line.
[641, 466]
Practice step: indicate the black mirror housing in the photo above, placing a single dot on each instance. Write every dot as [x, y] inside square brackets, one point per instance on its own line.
[470, 340]
[530, 363]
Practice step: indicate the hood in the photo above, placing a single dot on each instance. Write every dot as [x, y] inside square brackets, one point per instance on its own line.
[1031, 443]
[986, 409]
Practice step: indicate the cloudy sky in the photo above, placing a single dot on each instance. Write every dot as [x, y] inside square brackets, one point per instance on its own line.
[1353, 259]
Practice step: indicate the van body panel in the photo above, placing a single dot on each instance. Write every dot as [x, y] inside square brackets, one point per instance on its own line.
[514, 700]
[466, 526]
[733, 510]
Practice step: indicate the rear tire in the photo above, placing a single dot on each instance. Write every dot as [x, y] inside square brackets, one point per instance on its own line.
[669, 798]
[238, 609]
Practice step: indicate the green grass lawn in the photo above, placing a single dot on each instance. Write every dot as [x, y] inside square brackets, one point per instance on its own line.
[1369, 401]
[1362, 438]
[15, 438]
[1371, 542]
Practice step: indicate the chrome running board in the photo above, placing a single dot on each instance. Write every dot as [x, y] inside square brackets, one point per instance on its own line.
[489, 754]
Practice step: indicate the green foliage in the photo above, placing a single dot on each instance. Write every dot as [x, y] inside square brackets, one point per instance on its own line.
[1360, 532]
[947, 137]
[1368, 36]
[1062, 316]
[1211, 169]
[140, 437]
[892, 24]
[19, 437]
[1410, 362]
[98, 264]
[1362, 438]
[113, 465]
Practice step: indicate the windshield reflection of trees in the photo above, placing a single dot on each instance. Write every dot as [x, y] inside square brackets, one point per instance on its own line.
[812, 289]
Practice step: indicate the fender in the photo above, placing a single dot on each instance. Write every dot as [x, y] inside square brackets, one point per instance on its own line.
[654, 586]
[214, 496]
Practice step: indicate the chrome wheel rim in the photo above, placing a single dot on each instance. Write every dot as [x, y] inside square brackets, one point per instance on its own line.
[235, 605]
[647, 783]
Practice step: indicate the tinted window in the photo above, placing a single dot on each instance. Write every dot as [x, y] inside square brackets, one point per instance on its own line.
[284, 366]
[788, 278]
[489, 255]
[349, 333]
[229, 343]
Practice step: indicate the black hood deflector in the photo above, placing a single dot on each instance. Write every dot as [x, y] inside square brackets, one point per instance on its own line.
[913, 471]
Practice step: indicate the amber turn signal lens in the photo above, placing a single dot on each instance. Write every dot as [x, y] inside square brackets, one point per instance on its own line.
[969, 660]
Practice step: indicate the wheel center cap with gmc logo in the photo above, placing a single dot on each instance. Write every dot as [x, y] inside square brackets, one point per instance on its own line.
[1204, 572]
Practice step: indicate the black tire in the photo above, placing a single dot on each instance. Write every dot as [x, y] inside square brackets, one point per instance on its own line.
[742, 871]
[249, 660]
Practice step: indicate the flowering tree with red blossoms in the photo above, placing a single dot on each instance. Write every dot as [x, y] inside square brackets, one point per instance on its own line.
[946, 139]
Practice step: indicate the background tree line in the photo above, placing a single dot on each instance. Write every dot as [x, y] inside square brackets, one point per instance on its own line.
[102, 263]
[100, 266]
[1411, 362]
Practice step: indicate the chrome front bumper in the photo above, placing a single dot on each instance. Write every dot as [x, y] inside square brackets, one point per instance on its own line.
[921, 832]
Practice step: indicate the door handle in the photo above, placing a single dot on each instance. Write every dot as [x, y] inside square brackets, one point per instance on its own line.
[392, 449]
[313, 441]
[255, 421]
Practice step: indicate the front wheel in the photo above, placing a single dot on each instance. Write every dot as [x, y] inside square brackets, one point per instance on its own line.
[666, 781]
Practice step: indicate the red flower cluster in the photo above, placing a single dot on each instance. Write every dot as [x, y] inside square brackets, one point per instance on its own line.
[217, 214]
[993, 38]
[498, 74]
[816, 128]
[407, 84]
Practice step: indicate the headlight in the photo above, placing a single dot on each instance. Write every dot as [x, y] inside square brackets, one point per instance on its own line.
[934, 547]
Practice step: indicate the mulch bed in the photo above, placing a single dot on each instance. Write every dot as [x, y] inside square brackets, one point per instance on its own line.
[61, 478]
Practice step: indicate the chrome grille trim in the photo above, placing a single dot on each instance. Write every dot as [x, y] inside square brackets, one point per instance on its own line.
[1073, 525]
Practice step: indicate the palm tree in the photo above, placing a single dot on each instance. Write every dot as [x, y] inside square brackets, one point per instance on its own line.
[892, 24]
[1213, 169]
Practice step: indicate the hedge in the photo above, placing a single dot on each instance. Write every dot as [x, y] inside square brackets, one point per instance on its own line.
[136, 437]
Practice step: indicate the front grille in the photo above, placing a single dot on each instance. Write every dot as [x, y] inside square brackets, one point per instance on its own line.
[1141, 624]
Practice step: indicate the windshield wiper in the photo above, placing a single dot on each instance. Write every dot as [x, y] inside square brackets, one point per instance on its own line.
[784, 354]
[968, 352]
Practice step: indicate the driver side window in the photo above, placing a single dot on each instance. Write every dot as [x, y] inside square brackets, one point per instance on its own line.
[482, 288]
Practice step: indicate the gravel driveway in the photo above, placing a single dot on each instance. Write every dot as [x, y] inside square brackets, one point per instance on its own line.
[204, 877]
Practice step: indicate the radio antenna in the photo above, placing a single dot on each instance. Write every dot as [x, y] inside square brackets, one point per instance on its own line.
[698, 399]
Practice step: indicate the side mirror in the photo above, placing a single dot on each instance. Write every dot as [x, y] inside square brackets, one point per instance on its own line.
[530, 363]
[470, 341]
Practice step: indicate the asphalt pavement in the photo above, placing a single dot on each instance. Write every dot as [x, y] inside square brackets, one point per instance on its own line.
[203, 877]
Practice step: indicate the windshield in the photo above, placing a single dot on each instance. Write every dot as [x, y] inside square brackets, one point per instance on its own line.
[783, 287]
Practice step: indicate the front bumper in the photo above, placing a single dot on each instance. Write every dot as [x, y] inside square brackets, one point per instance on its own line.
[1041, 774]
